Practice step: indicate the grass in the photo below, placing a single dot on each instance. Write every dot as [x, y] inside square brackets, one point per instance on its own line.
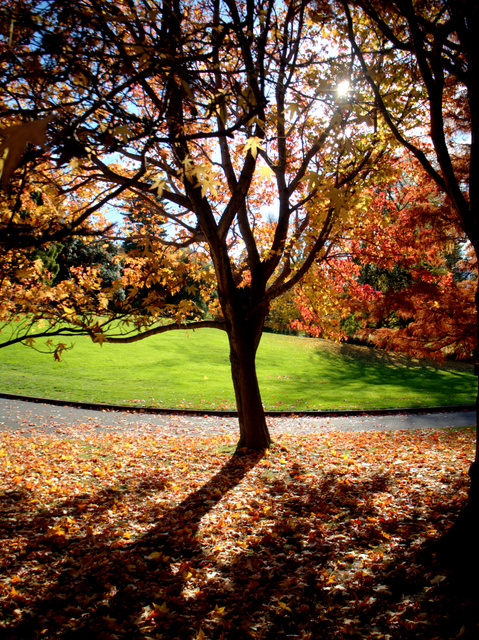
[191, 370]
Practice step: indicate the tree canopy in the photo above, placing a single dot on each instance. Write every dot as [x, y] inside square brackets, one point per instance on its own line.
[195, 117]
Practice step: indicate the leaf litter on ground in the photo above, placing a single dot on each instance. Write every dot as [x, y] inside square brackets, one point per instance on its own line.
[324, 536]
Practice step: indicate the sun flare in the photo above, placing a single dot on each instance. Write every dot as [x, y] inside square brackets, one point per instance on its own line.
[343, 87]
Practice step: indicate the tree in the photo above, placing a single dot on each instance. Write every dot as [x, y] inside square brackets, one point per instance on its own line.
[432, 48]
[205, 112]
[404, 281]
[282, 313]
[75, 252]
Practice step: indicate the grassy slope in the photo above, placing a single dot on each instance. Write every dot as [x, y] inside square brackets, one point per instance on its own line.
[191, 369]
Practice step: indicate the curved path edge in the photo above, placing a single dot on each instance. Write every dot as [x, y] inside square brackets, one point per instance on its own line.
[99, 406]
[40, 416]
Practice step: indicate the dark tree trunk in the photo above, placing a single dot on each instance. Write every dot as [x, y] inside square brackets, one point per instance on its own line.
[466, 529]
[460, 545]
[253, 429]
[244, 337]
[474, 470]
[468, 522]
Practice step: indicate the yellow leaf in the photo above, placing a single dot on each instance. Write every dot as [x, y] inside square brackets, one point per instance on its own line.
[2, 160]
[162, 608]
[208, 183]
[283, 606]
[314, 180]
[57, 530]
[266, 172]
[252, 145]
[278, 34]
[294, 108]
[159, 185]
[68, 310]
[219, 610]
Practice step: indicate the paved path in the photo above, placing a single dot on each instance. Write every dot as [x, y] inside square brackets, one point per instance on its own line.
[31, 418]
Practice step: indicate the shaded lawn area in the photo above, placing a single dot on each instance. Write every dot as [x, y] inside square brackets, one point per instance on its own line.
[325, 536]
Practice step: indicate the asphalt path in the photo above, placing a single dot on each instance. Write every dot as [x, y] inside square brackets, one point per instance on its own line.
[40, 418]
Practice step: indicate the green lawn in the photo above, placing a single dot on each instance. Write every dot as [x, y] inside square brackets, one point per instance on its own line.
[191, 370]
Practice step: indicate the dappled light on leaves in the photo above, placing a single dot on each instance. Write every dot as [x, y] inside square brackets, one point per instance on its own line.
[162, 537]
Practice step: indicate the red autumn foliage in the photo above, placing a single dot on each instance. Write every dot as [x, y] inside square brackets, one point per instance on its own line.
[406, 275]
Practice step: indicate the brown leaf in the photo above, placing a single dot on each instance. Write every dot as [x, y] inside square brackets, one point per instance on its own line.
[15, 139]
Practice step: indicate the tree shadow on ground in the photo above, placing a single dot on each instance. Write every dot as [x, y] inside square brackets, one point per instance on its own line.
[90, 564]
[376, 368]
[279, 583]
[367, 354]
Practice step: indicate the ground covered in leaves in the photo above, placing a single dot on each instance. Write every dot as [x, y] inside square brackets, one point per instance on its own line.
[326, 536]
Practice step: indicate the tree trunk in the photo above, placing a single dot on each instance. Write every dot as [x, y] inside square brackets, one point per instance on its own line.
[474, 469]
[460, 544]
[469, 518]
[468, 521]
[244, 340]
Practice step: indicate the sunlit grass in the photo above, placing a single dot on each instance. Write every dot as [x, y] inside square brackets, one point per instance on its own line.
[191, 370]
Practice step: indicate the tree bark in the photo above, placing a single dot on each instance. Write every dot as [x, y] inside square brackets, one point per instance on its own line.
[244, 339]
[474, 468]
[459, 546]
